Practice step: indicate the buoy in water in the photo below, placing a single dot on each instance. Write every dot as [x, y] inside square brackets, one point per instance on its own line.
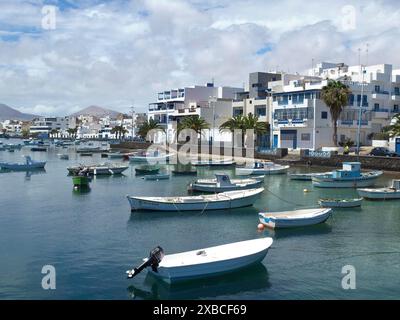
[306, 190]
[260, 227]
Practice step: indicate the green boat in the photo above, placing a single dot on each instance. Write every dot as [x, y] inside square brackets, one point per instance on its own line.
[147, 170]
[81, 181]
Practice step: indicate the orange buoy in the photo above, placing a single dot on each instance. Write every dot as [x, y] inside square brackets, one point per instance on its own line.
[260, 227]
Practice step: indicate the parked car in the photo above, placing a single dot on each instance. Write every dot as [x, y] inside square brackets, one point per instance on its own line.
[383, 152]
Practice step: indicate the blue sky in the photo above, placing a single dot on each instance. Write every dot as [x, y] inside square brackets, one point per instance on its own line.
[111, 53]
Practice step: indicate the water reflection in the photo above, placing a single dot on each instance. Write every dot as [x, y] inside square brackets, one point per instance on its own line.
[318, 229]
[29, 174]
[250, 279]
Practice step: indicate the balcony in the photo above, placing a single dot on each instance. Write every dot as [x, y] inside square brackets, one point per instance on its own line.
[396, 96]
[381, 113]
[380, 95]
[347, 122]
[363, 122]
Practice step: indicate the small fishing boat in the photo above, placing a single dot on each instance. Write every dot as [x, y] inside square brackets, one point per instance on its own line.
[160, 176]
[151, 158]
[206, 262]
[340, 203]
[99, 169]
[39, 149]
[225, 200]
[11, 146]
[63, 156]
[350, 176]
[82, 179]
[223, 183]
[28, 165]
[213, 163]
[184, 172]
[295, 218]
[89, 149]
[392, 192]
[86, 154]
[263, 167]
[306, 176]
[147, 170]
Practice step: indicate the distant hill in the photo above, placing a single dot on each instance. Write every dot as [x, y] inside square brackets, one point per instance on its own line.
[97, 112]
[8, 113]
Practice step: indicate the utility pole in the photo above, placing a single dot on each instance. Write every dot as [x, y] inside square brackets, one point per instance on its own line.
[133, 120]
[360, 111]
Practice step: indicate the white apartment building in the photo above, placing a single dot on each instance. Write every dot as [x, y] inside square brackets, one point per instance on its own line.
[302, 120]
[12, 126]
[214, 104]
[44, 125]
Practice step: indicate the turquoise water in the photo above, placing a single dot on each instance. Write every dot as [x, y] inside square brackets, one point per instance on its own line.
[92, 239]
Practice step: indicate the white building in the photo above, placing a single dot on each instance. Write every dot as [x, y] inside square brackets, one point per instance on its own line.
[209, 102]
[12, 126]
[44, 125]
[302, 120]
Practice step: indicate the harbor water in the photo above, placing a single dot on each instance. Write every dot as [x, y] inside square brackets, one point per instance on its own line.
[92, 238]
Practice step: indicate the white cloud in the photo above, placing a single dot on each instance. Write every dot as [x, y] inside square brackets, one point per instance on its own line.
[112, 53]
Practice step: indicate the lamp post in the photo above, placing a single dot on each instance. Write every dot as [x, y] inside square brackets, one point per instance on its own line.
[360, 111]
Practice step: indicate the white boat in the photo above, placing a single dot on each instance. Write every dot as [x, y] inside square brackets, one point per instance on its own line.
[28, 165]
[223, 183]
[63, 156]
[99, 169]
[153, 158]
[212, 163]
[206, 262]
[225, 200]
[261, 167]
[160, 176]
[295, 218]
[306, 176]
[115, 155]
[340, 203]
[348, 177]
[392, 192]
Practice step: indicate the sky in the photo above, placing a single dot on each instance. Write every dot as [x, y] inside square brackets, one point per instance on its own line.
[120, 53]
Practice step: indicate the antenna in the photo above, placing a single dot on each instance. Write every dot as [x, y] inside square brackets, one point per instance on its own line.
[367, 53]
[359, 56]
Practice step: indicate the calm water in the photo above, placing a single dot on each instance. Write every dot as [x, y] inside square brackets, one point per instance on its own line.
[92, 238]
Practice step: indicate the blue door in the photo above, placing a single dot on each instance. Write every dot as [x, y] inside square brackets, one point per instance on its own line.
[275, 141]
[398, 145]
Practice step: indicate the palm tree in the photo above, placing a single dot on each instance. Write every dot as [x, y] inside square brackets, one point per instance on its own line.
[148, 126]
[115, 130]
[195, 123]
[54, 133]
[394, 129]
[71, 131]
[243, 123]
[336, 96]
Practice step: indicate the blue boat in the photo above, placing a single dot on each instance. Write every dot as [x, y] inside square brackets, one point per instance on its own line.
[350, 176]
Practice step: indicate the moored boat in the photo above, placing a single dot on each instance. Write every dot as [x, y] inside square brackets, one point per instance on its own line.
[28, 165]
[294, 218]
[184, 172]
[39, 149]
[147, 170]
[99, 169]
[63, 156]
[225, 200]
[223, 183]
[160, 176]
[213, 163]
[151, 158]
[392, 192]
[350, 176]
[204, 262]
[340, 203]
[306, 176]
[263, 168]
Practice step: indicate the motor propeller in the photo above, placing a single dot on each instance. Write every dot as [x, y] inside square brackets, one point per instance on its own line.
[155, 257]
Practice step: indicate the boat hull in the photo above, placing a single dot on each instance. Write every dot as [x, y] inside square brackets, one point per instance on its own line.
[156, 177]
[379, 194]
[275, 222]
[262, 171]
[214, 188]
[340, 203]
[212, 269]
[138, 203]
[332, 183]
[22, 167]
[214, 261]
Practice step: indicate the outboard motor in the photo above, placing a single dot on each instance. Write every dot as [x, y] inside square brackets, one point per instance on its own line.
[155, 257]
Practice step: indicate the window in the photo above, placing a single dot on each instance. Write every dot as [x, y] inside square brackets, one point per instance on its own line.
[377, 88]
[396, 108]
[351, 99]
[324, 115]
[305, 136]
[261, 111]
[376, 106]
